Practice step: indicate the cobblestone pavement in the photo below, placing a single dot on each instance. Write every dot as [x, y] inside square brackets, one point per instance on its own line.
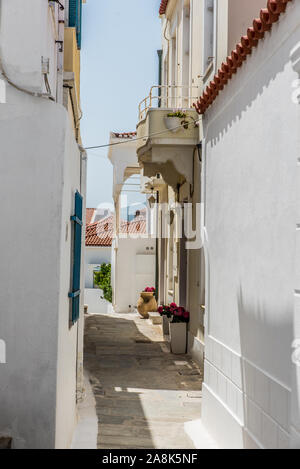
[144, 394]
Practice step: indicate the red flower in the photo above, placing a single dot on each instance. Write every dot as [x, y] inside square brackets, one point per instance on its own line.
[160, 310]
[186, 315]
[173, 305]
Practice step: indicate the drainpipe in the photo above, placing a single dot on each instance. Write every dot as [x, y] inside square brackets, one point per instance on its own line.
[159, 53]
[156, 250]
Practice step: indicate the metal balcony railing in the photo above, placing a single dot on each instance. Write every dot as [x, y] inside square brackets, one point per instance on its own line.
[168, 96]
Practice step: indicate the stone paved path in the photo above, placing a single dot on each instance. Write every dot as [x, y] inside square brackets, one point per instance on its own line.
[144, 394]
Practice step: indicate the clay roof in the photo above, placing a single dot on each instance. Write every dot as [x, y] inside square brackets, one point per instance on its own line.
[124, 135]
[101, 233]
[267, 17]
[89, 215]
[163, 6]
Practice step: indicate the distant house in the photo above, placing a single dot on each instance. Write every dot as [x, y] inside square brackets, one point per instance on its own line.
[127, 257]
[98, 242]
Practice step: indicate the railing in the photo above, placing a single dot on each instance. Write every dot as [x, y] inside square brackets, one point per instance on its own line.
[168, 96]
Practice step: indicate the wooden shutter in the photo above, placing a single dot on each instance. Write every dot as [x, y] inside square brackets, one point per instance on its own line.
[77, 247]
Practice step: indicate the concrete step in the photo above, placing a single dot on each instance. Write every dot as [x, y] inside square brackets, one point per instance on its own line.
[155, 318]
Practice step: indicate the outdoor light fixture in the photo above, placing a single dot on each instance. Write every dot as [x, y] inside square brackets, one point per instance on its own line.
[151, 201]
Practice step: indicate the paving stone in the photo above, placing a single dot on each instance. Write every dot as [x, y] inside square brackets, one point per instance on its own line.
[144, 394]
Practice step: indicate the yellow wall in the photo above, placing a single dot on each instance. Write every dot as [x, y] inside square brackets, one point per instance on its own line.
[72, 64]
[72, 57]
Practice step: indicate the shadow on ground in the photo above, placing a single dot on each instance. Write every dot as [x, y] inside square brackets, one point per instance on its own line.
[143, 393]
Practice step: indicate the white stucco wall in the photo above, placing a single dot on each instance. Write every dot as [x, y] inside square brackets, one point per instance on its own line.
[32, 37]
[36, 154]
[95, 256]
[41, 168]
[251, 149]
[134, 269]
[69, 356]
[93, 298]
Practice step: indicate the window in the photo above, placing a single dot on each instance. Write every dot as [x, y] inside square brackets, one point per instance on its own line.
[75, 15]
[75, 294]
[171, 254]
[208, 32]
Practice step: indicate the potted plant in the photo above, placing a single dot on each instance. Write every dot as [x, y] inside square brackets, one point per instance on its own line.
[176, 120]
[166, 311]
[147, 302]
[178, 330]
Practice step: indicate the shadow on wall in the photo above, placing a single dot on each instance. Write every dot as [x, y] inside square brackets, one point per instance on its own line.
[124, 367]
[249, 84]
[266, 355]
[93, 298]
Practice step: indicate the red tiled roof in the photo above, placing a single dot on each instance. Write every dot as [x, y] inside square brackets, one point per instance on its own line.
[163, 6]
[124, 134]
[89, 215]
[267, 17]
[101, 233]
[136, 226]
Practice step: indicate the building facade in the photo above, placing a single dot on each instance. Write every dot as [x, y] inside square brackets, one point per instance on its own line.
[43, 170]
[234, 160]
[133, 248]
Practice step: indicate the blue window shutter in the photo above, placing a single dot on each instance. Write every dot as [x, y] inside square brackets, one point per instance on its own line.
[75, 294]
[75, 15]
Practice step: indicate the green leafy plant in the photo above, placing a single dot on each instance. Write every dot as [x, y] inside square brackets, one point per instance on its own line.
[181, 115]
[102, 278]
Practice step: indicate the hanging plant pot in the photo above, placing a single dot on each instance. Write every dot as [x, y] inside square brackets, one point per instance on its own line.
[178, 334]
[173, 124]
[165, 324]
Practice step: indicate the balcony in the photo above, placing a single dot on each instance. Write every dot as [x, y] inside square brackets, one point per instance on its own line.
[167, 132]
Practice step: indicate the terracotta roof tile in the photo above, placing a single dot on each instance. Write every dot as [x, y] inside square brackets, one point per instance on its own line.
[101, 233]
[89, 215]
[124, 134]
[255, 33]
[163, 6]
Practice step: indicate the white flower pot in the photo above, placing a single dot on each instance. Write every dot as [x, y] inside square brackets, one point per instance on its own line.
[178, 333]
[166, 322]
[173, 123]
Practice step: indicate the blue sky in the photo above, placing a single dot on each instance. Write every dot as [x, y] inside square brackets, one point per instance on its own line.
[119, 64]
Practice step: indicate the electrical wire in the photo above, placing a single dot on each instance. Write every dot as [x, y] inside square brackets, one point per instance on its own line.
[195, 122]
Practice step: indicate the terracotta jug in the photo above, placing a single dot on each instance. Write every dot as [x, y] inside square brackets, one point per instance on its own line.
[146, 304]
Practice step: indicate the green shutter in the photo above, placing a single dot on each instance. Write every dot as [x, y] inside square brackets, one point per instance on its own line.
[77, 247]
[75, 17]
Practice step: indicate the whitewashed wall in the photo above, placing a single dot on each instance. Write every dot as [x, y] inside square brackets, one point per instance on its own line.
[134, 270]
[251, 148]
[93, 298]
[94, 257]
[41, 168]
[69, 355]
[32, 37]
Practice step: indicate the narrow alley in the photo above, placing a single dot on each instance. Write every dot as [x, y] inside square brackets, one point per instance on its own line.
[143, 393]
[150, 267]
